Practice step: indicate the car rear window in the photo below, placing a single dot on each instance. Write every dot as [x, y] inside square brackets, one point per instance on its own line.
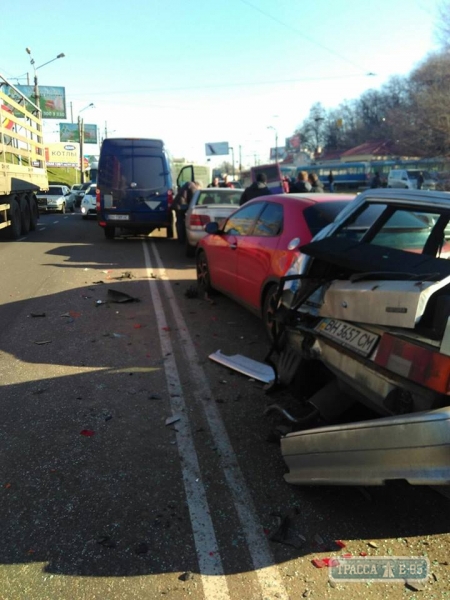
[138, 164]
[55, 191]
[217, 198]
[321, 214]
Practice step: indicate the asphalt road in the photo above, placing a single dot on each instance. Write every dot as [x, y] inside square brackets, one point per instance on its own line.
[102, 499]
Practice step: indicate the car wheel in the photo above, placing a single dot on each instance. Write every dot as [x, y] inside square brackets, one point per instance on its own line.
[190, 250]
[110, 233]
[268, 310]
[63, 208]
[203, 277]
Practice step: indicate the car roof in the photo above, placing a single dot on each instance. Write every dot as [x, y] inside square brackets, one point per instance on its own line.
[405, 196]
[309, 198]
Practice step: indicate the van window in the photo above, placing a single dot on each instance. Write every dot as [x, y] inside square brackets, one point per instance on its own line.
[136, 164]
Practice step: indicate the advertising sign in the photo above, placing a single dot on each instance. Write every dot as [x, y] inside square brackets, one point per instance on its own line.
[62, 154]
[216, 149]
[293, 143]
[69, 132]
[278, 153]
[52, 100]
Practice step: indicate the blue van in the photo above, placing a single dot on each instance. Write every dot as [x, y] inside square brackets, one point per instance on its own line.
[134, 186]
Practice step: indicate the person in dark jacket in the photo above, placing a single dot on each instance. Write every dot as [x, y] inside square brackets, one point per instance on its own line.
[257, 188]
[316, 184]
[376, 181]
[180, 206]
[302, 184]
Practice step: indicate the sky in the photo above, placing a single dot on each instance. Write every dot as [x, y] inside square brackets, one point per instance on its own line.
[193, 72]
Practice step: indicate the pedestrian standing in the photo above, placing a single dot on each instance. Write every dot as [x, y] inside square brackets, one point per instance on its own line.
[316, 184]
[420, 180]
[302, 184]
[257, 188]
[331, 181]
[180, 206]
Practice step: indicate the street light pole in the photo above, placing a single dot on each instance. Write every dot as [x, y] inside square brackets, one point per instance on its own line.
[81, 138]
[232, 158]
[37, 98]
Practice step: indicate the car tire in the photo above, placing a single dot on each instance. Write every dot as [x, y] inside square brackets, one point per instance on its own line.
[25, 215]
[34, 212]
[268, 309]
[203, 276]
[189, 250]
[110, 233]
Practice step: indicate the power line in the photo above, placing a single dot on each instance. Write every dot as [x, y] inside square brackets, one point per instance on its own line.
[302, 34]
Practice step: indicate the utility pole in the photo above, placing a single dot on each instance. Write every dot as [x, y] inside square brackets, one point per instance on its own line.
[81, 138]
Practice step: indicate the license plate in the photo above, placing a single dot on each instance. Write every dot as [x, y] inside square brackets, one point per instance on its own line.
[361, 341]
[118, 217]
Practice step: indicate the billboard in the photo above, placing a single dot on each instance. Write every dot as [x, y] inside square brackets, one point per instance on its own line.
[62, 154]
[278, 153]
[293, 143]
[52, 100]
[216, 149]
[69, 132]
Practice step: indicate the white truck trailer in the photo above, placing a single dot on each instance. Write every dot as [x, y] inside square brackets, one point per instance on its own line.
[22, 161]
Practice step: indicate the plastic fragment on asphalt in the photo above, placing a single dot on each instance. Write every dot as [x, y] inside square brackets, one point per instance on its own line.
[245, 366]
[43, 342]
[171, 420]
[87, 432]
[320, 563]
[372, 545]
[120, 297]
[363, 554]
[340, 543]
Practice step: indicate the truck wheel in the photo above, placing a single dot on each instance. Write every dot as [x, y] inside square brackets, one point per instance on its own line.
[110, 233]
[34, 212]
[16, 221]
[25, 215]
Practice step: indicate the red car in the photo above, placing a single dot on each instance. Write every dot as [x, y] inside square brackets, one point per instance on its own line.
[257, 244]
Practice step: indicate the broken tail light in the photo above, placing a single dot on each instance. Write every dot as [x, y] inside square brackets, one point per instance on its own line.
[199, 220]
[417, 363]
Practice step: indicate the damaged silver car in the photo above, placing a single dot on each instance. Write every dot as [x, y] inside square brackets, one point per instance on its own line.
[366, 319]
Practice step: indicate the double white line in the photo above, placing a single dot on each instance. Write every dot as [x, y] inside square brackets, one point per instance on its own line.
[210, 564]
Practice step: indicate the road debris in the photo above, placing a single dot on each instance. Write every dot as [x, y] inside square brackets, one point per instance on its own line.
[43, 342]
[191, 292]
[120, 297]
[186, 576]
[284, 533]
[106, 541]
[87, 432]
[125, 275]
[171, 420]
[35, 315]
[244, 365]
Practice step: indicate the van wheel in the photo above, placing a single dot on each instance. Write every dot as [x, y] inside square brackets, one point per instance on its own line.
[110, 233]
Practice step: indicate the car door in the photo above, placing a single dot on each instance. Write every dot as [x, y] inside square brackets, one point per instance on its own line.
[222, 248]
[255, 253]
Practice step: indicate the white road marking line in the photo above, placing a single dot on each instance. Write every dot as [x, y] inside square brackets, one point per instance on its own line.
[210, 563]
[55, 222]
[41, 228]
[268, 575]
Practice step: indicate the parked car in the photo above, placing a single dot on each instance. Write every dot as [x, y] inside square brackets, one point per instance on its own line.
[89, 202]
[79, 190]
[58, 198]
[368, 321]
[246, 256]
[208, 205]
[407, 179]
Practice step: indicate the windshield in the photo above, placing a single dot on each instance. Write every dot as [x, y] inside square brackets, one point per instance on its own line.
[55, 191]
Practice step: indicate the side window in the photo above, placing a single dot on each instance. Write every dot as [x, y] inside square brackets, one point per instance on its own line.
[241, 222]
[270, 221]
[356, 227]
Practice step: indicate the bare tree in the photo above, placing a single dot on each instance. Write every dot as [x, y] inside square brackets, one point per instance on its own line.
[443, 25]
